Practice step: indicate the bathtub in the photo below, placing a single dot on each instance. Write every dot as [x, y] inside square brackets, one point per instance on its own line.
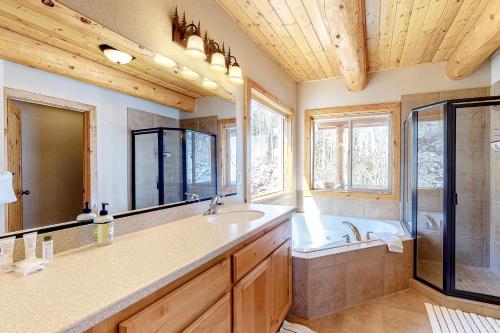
[312, 232]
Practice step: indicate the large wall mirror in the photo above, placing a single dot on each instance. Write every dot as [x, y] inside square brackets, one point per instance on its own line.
[68, 142]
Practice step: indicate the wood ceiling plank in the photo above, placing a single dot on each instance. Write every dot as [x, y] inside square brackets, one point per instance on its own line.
[418, 14]
[290, 24]
[346, 23]
[449, 14]
[478, 45]
[431, 22]
[262, 8]
[468, 27]
[372, 33]
[20, 49]
[304, 22]
[324, 37]
[388, 10]
[464, 14]
[280, 56]
[402, 21]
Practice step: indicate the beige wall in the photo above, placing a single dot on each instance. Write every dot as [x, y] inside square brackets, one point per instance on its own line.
[52, 158]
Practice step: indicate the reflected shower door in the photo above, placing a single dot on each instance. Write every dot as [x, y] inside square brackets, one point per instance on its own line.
[201, 169]
[146, 192]
[428, 186]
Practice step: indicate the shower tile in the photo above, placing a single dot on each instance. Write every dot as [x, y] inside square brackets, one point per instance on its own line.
[399, 269]
[300, 287]
[327, 291]
[364, 280]
[326, 261]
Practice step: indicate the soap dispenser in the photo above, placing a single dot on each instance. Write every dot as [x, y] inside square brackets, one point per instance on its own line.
[104, 227]
[86, 214]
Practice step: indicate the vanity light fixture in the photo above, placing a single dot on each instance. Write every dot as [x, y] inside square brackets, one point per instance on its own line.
[235, 74]
[116, 56]
[164, 61]
[195, 46]
[217, 58]
[209, 84]
[189, 74]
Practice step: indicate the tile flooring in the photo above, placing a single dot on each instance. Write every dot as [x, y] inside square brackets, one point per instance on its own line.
[402, 312]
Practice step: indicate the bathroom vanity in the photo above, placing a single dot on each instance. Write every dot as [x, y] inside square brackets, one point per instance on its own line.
[228, 273]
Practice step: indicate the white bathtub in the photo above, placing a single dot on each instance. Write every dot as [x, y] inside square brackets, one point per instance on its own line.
[312, 232]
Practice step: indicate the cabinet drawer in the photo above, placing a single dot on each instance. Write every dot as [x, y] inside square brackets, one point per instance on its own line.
[216, 320]
[181, 307]
[250, 256]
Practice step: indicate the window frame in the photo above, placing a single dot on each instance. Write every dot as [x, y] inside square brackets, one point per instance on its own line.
[224, 185]
[352, 111]
[253, 91]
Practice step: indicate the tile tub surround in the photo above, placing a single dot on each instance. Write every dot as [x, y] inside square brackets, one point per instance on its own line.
[89, 284]
[347, 276]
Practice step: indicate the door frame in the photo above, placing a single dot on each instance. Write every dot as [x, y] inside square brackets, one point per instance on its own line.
[89, 138]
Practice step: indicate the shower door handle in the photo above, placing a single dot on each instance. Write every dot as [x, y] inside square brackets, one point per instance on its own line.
[455, 199]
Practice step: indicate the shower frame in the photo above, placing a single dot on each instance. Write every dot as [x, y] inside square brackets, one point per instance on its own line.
[161, 177]
[450, 196]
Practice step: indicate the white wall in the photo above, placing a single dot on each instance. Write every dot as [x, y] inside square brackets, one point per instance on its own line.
[495, 67]
[212, 106]
[382, 87]
[111, 117]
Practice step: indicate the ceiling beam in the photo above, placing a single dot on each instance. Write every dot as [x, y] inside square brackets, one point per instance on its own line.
[480, 43]
[345, 21]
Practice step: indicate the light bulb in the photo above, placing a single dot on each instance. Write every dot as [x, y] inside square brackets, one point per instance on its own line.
[116, 56]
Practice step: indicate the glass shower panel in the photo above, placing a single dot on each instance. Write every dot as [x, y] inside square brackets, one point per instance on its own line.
[429, 194]
[474, 174]
[407, 173]
[172, 166]
[146, 170]
[201, 164]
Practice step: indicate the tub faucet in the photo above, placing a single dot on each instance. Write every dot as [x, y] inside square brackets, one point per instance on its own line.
[431, 221]
[354, 229]
[215, 203]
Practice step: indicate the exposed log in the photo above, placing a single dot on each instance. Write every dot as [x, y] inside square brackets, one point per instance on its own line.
[481, 42]
[20, 49]
[347, 27]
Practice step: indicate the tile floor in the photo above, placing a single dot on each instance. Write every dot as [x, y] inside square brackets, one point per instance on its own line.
[396, 313]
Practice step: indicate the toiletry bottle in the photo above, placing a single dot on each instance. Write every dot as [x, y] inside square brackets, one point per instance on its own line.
[86, 214]
[104, 227]
[48, 248]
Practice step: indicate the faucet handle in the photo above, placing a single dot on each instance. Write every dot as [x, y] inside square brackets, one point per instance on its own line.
[347, 238]
[368, 234]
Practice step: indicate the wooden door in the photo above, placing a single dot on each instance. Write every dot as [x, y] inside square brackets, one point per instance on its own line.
[251, 299]
[281, 284]
[217, 319]
[14, 164]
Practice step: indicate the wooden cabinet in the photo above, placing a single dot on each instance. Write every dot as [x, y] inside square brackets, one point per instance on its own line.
[244, 290]
[252, 307]
[281, 284]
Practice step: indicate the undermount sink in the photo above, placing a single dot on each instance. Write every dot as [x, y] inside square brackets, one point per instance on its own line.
[236, 217]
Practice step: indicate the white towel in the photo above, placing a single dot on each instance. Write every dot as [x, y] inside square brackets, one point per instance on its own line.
[288, 327]
[394, 242]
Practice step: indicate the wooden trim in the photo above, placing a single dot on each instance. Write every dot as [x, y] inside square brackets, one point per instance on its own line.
[288, 112]
[223, 157]
[90, 133]
[394, 109]
[20, 49]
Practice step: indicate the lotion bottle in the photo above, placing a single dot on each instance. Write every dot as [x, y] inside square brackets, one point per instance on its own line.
[86, 214]
[104, 227]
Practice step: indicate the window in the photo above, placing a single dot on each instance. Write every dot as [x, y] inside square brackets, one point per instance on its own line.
[267, 156]
[430, 153]
[268, 142]
[227, 159]
[354, 150]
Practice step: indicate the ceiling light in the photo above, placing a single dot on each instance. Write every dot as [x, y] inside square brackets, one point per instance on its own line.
[189, 74]
[164, 61]
[235, 75]
[116, 56]
[196, 47]
[209, 84]
[218, 62]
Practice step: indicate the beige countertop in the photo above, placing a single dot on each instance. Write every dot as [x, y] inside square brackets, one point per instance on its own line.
[84, 286]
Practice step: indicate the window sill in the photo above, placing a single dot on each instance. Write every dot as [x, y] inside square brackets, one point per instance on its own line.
[356, 195]
[271, 196]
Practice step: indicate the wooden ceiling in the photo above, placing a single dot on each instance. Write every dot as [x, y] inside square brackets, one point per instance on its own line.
[318, 39]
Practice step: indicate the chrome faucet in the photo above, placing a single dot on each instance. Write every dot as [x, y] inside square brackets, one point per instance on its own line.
[192, 196]
[215, 203]
[354, 229]
[431, 222]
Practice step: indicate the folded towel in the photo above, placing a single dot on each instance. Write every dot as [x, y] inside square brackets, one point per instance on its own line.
[394, 243]
[289, 327]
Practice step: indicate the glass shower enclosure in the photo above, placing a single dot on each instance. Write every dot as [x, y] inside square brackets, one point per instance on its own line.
[169, 164]
[451, 196]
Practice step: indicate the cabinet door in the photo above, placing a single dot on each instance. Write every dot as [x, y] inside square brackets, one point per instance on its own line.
[281, 284]
[251, 298]
[217, 319]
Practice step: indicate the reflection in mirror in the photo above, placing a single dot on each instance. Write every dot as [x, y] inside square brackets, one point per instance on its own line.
[149, 155]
